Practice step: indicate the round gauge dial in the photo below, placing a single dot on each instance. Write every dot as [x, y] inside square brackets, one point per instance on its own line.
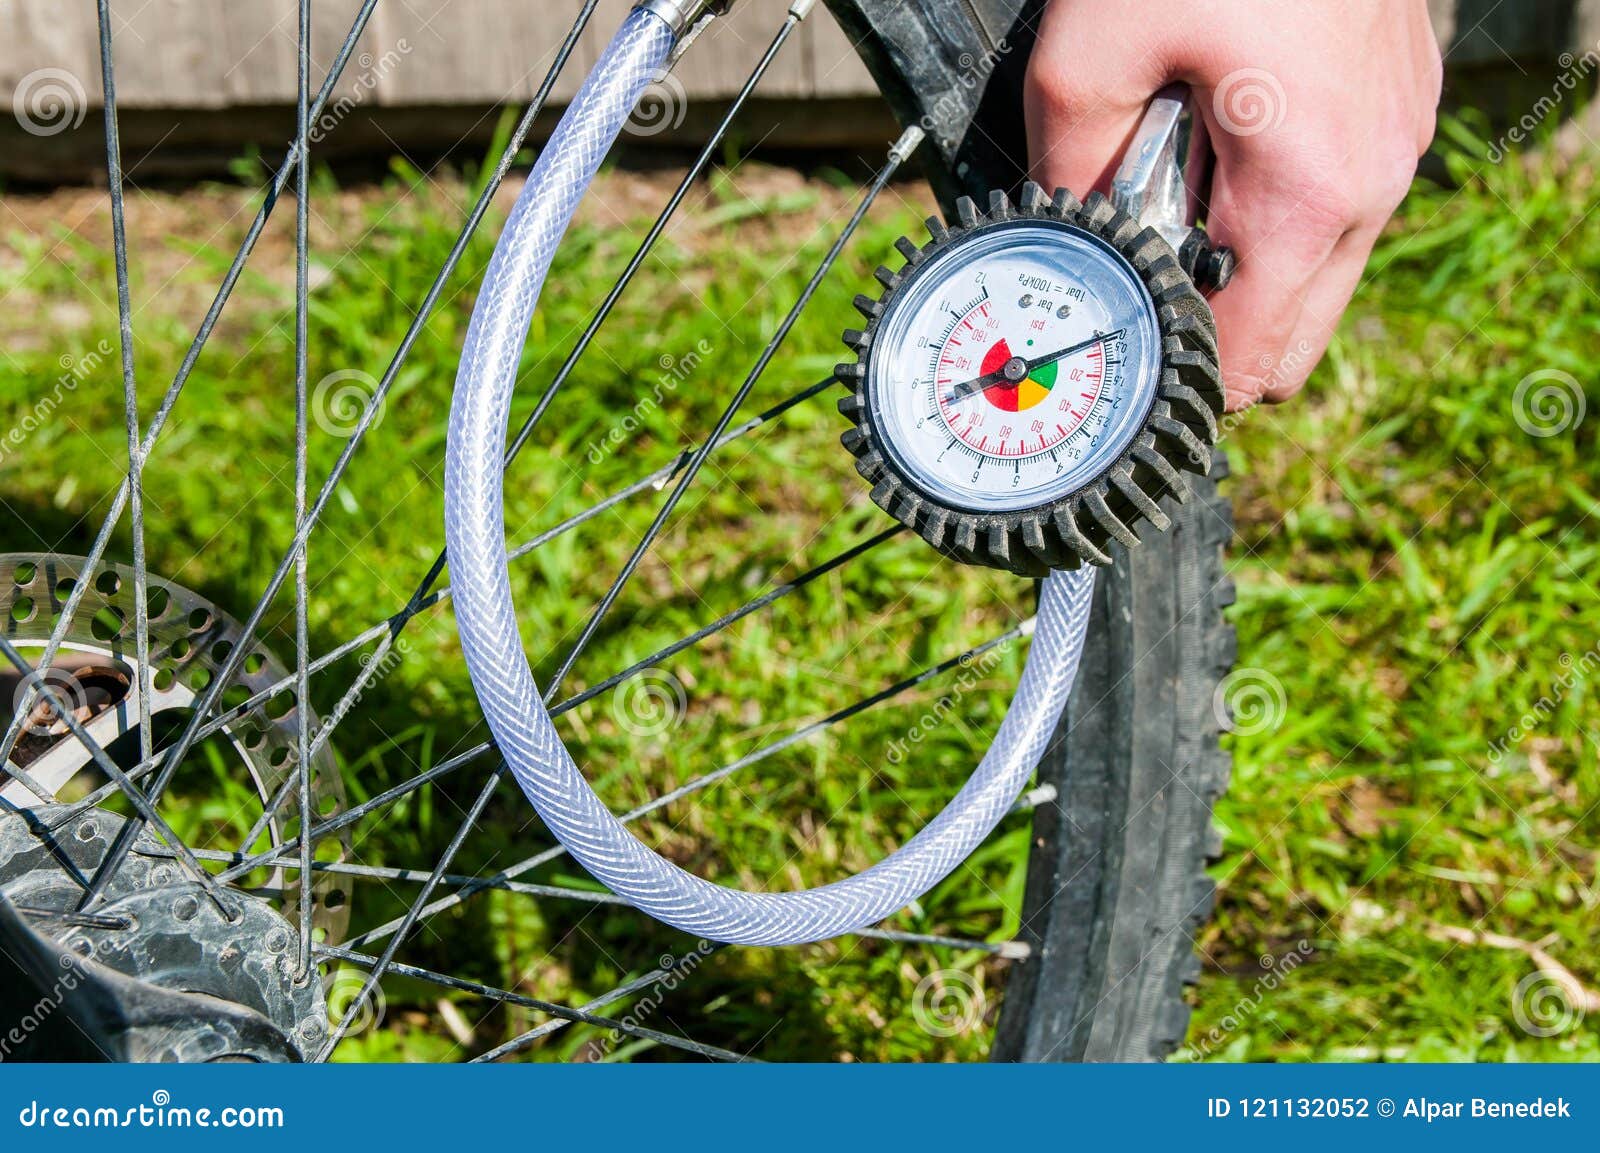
[1032, 383]
[1015, 368]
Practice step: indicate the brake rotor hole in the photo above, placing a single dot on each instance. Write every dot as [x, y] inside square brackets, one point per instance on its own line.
[108, 583]
[108, 623]
[24, 573]
[22, 610]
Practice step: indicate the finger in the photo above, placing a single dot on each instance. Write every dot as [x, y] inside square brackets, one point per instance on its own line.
[1085, 96]
[1282, 242]
[1326, 296]
[1428, 66]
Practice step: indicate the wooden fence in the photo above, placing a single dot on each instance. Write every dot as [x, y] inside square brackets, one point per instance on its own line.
[210, 76]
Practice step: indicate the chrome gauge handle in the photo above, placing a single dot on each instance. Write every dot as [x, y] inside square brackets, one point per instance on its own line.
[1160, 181]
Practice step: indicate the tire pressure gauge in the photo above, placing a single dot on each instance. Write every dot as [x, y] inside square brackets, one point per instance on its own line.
[1034, 380]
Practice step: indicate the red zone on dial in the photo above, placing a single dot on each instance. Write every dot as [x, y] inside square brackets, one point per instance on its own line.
[1009, 420]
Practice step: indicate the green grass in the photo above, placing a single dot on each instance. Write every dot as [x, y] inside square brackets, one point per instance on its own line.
[1411, 566]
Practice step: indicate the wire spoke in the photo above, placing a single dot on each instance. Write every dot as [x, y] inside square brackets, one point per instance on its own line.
[652, 482]
[202, 335]
[767, 598]
[506, 996]
[1012, 950]
[526, 1040]
[885, 174]
[230, 665]
[486, 794]
[141, 804]
[803, 733]
[130, 388]
[302, 641]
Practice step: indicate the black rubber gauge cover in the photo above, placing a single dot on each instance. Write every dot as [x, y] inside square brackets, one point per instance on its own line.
[1177, 436]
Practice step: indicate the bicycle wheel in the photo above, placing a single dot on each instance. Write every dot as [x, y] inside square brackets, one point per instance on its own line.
[107, 843]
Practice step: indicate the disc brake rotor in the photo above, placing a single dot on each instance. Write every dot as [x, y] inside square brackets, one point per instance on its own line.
[96, 674]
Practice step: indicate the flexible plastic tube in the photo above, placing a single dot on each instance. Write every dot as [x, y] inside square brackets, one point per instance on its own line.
[481, 589]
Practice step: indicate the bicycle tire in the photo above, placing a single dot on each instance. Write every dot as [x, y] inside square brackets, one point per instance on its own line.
[1117, 884]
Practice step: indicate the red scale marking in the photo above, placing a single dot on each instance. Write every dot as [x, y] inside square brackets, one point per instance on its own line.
[997, 396]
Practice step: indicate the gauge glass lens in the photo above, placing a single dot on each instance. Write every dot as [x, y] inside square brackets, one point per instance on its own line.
[1014, 367]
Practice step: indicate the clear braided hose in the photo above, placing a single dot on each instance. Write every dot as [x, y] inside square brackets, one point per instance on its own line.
[486, 617]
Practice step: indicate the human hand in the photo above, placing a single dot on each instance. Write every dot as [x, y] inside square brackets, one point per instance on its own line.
[1317, 111]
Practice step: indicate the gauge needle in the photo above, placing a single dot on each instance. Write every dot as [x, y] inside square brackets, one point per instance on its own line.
[1015, 369]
